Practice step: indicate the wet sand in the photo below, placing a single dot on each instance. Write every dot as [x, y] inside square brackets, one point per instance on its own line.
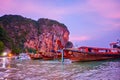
[55, 70]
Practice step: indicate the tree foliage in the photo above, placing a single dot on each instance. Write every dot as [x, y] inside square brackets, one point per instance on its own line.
[69, 44]
[16, 50]
[1, 46]
[31, 50]
[4, 37]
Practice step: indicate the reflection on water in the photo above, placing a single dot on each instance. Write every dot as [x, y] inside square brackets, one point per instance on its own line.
[6, 62]
[54, 70]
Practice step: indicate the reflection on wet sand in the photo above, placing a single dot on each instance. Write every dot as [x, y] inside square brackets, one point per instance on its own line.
[6, 62]
[54, 70]
[3, 62]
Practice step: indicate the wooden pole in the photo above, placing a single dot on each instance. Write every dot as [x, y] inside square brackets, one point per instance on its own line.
[62, 51]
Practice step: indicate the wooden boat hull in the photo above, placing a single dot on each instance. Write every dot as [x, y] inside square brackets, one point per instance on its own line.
[35, 56]
[75, 56]
[47, 58]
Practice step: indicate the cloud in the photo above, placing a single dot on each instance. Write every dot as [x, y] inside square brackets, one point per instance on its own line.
[31, 8]
[79, 38]
[106, 8]
[112, 26]
[108, 13]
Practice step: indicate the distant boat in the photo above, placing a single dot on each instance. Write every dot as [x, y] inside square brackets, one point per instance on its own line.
[91, 53]
[35, 56]
[23, 56]
[46, 55]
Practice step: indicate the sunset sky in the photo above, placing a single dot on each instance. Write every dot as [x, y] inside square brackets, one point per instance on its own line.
[90, 22]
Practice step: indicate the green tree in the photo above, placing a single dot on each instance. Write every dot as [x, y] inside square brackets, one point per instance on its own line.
[5, 38]
[16, 50]
[1, 46]
[2, 33]
[31, 50]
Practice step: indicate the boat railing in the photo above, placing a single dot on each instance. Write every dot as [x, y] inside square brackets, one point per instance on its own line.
[94, 50]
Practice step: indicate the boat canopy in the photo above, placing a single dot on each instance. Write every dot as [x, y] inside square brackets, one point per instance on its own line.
[96, 49]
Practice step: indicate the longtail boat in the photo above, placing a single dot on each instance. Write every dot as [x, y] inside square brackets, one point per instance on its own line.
[46, 55]
[91, 53]
[36, 56]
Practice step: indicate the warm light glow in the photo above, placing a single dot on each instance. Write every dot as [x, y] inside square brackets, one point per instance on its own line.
[10, 55]
[4, 53]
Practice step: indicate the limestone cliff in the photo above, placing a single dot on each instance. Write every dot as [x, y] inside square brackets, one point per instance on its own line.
[41, 35]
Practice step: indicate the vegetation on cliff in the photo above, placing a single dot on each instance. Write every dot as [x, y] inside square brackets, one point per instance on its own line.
[1, 46]
[6, 40]
[48, 23]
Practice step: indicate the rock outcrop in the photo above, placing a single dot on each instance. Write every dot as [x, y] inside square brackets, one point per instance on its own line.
[41, 35]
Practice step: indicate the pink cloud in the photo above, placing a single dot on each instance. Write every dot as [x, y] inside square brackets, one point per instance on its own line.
[112, 26]
[79, 38]
[106, 8]
[19, 7]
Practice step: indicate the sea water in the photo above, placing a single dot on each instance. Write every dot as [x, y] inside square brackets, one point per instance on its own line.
[11, 69]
